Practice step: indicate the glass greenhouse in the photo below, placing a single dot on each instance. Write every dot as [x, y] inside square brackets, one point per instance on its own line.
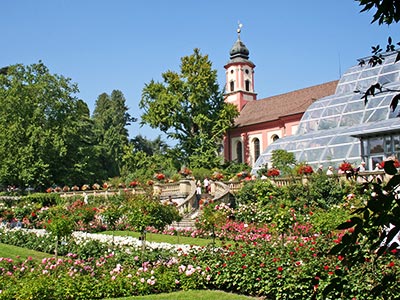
[343, 127]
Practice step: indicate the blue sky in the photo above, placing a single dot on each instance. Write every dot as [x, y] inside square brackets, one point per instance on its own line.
[123, 44]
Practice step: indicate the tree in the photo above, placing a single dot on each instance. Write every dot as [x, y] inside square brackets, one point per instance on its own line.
[387, 11]
[145, 210]
[156, 146]
[283, 160]
[190, 108]
[138, 165]
[42, 128]
[110, 118]
[60, 225]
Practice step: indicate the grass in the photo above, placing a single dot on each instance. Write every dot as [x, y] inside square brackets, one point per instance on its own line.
[192, 295]
[163, 238]
[19, 253]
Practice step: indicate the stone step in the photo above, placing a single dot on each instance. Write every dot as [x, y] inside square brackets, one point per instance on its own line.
[187, 222]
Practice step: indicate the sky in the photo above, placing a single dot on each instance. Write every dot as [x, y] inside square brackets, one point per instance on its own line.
[106, 45]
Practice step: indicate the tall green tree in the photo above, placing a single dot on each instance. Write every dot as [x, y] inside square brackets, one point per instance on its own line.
[189, 107]
[150, 147]
[111, 118]
[42, 124]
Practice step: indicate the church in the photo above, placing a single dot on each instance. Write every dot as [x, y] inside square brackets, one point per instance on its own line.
[261, 121]
[324, 124]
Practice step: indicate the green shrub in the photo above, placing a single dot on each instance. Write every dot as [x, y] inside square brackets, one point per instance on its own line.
[45, 199]
[262, 191]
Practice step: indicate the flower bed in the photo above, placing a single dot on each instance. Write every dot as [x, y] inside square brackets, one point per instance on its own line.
[296, 269]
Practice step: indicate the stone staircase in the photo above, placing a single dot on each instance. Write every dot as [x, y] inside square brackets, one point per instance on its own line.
[188, 221]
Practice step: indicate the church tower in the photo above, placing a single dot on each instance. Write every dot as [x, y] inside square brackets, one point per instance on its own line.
[239, 72]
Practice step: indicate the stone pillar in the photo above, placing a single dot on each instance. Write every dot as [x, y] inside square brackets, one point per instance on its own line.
[184, 187]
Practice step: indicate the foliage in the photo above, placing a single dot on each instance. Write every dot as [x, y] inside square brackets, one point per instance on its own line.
[201, 173]
[231, 169]
[150, 147]
[110, 119]
[213, 215]
[373, 227]
[44, 129]
[144, 211]
[283, 160]
[59, 223]
[44, 199]
[387, 11]
[257, 191]
[189, 108]
[141, 166]
[319, 191]
[258, 263]
[111, 215]
[324, 220]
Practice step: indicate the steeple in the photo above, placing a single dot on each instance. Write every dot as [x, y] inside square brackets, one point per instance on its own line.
[239, 75]
[239, 50]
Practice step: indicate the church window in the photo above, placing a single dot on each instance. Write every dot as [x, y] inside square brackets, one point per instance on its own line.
[274, 137]
[239, 152]
[256, 144]
[247, 71]
[232, 83]
[247, 82]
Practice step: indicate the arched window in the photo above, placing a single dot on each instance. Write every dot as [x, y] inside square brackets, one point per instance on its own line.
[247, 83]
[232, 83]
[275, 137]
[239, 152]
[256, 145]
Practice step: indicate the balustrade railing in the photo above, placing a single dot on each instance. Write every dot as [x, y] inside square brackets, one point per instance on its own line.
[220, 191]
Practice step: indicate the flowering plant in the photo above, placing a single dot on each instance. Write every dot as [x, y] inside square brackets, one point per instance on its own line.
[185, 172]
[150, 182]
[159, 176]
[75, 188]
[242, 174]
[273, 172]
[305, 170]
[85, 187]
[96, 186]
[66, 188]
[134, 184]
[217, 176]
[396, 164]
[345, 166]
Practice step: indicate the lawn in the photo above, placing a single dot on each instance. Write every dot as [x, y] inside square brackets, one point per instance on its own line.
[192, 295]
[14, 252]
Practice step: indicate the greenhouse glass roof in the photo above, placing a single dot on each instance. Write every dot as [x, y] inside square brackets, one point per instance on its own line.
[327, 130]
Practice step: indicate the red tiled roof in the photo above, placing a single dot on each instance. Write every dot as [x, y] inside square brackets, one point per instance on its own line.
[275, 107]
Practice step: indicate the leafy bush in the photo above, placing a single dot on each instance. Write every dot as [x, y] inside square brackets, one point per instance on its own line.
[262, 191]
[45, 199]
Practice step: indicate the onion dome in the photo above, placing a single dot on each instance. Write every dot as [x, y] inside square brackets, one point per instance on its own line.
[239, 50]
